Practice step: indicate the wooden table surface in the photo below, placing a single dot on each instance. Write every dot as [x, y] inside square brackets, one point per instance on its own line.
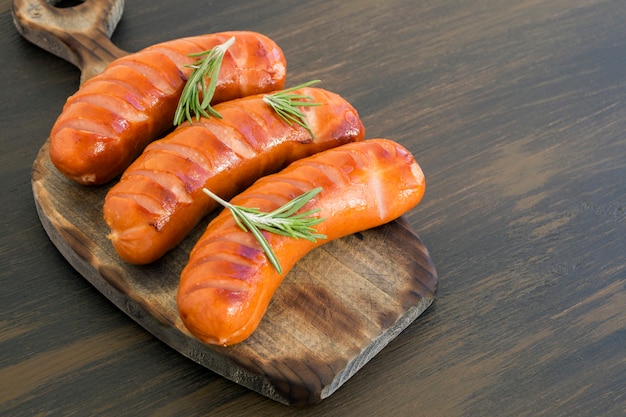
[516, 111]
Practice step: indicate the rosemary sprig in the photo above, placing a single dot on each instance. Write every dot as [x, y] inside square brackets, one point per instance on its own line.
[286, 104]
[207, 66]
[282, 221]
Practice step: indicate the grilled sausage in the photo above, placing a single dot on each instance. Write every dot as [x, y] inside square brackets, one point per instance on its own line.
[159, 198]
[115, 114]
[227, 285]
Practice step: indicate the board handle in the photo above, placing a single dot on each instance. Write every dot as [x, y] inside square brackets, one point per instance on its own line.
[78, 31]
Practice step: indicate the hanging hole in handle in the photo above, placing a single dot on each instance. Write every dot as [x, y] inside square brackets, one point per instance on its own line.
[65, 4]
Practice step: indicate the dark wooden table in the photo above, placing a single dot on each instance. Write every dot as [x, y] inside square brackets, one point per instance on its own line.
[516, 111]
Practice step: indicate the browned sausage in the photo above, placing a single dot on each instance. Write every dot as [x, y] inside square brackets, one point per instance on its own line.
[227, 285]
[114, 115]
[159, 198]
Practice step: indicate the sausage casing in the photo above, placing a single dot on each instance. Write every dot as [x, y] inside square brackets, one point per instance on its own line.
[115, 114]
[159, 198]
[228, 282]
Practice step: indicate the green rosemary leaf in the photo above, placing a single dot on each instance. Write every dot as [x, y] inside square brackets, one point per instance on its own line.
[283, 221]
[286, 105]
[207, 66]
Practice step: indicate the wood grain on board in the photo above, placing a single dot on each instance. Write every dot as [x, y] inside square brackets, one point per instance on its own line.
[337, 308]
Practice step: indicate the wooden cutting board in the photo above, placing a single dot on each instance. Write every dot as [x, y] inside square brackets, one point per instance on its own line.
[336, 309]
